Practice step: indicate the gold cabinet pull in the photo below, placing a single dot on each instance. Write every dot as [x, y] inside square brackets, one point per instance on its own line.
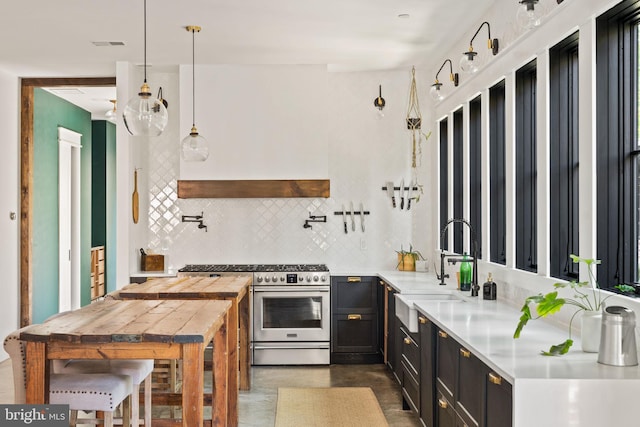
[354, 279]
[389, 288]
[422, 320]
[382, 282]
[354, 317]
[407, 340]
[465, 353]
[495, 379]
[442, 403]
[442, 334]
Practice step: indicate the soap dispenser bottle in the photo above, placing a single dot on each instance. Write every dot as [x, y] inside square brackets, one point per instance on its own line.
[489, 289]
[465, 274]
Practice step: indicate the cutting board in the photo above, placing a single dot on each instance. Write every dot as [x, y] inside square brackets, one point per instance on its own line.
[135, 202]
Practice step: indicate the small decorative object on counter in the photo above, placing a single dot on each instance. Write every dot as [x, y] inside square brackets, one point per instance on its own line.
[465, 273]
[151, 262]
[489, 290]
[407, 259]
[618, 338]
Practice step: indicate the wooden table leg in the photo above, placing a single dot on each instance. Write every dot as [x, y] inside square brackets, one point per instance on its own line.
[232, 346]
[37, 373]
[192, 384]
[245, 359]
[220, 372]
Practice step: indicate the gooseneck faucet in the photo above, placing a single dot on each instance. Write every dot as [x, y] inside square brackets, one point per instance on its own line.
[475, 287]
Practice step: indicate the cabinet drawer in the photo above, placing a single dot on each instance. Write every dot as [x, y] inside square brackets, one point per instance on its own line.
[446, 363]
[354, 333]
[499, 401]
[470, 389]
[357, 294]
[445, 414]
[410, 387]
[410, 352]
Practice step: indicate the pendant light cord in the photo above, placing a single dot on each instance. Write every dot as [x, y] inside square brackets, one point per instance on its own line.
[193, 76]
[145, 41]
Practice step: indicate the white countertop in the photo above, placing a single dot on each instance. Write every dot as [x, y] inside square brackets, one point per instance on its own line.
[569, 390]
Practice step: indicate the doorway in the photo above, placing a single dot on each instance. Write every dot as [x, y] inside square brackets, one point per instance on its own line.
[26, 179]
[69, 145]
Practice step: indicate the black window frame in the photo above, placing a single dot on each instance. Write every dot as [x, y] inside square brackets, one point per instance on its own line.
[564, 184]
[526, 173]
[498, 175]
[444, 178]
[458, 179]
[475, 169]
[616, 142]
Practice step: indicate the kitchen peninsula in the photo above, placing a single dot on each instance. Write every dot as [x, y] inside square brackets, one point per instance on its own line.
[552, 391]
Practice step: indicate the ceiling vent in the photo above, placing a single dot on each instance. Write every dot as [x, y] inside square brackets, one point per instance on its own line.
[108, 43]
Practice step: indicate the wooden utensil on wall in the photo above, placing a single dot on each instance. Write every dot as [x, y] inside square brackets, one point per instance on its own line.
[135, 203]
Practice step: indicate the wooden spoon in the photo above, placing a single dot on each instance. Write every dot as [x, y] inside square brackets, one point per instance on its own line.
[135, 201]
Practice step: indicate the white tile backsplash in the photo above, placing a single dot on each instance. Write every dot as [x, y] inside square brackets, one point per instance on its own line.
[364, 151]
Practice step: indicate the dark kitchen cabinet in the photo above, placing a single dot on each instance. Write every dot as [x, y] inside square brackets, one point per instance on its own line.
[410, 371]
[499, 408]
[446, 364]
[470, 388]
[481, 398]
[354, 320]
[392, 331]
[427, 332]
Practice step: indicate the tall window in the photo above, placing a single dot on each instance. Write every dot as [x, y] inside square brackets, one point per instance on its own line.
[475, 169]
[617, 144]
[526, 169]
[444, 181]
[458, 181]
[563, 157]
[497, 182]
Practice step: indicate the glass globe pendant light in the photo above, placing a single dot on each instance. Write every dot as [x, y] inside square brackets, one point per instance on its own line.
[145, 115]
[111, 114]
[528, 16]
[194, 148]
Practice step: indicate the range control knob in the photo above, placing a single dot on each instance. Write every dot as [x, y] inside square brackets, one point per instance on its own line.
[315, 278]
[323, 278]
[275, 278]
[308, 278]
[282, 278]
[300, 279]
[259, 279]
[267, 279]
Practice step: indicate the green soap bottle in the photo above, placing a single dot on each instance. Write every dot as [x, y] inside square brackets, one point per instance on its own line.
[465, 273]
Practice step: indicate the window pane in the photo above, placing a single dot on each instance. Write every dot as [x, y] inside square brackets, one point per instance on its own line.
[497, 184]
[444, 182]
[458, 181]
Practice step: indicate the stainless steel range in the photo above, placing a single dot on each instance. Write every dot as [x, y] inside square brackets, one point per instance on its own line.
[291, 317]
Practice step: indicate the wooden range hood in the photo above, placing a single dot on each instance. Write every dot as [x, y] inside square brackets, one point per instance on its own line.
[237, 189]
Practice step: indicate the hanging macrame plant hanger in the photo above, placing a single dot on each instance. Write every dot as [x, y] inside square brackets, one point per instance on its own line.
[414, 119]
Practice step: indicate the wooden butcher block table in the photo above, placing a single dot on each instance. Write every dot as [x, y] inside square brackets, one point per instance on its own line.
[233, 288]
[142, 329]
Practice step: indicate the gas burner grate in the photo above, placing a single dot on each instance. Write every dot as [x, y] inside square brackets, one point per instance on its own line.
[242, 268]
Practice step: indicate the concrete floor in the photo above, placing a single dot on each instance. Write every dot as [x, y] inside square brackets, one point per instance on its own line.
[257, 407]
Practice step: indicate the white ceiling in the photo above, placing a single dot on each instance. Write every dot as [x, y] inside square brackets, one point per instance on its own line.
[44, 38]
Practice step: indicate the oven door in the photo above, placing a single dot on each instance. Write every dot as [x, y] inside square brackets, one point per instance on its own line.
[291, 313]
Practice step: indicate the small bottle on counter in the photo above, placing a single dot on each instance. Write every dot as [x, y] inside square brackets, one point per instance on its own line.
[465, 274]
[489, 290]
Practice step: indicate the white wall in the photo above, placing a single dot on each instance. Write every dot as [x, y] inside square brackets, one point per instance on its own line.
[363, 151]
[519, 46]
[9, 202]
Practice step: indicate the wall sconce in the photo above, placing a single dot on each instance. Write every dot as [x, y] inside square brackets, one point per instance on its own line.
[528, 16]
[379, 102]
[435, 91]
[467, 63]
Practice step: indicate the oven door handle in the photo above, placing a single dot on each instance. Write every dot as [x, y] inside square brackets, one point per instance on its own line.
[290, 289]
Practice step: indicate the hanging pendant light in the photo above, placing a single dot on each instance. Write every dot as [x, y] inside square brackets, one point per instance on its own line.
[145, 115]
[111, 114]
[528, 16]
[194, 148]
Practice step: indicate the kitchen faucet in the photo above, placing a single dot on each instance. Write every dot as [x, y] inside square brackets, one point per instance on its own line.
[475, 287]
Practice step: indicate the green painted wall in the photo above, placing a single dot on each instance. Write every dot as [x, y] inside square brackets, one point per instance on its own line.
[49, 113]
[103, 195]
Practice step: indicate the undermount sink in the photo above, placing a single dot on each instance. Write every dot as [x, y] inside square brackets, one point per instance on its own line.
[406, 310]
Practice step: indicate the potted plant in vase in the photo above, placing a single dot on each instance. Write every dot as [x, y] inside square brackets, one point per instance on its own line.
[407, 259]
[587, 299]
